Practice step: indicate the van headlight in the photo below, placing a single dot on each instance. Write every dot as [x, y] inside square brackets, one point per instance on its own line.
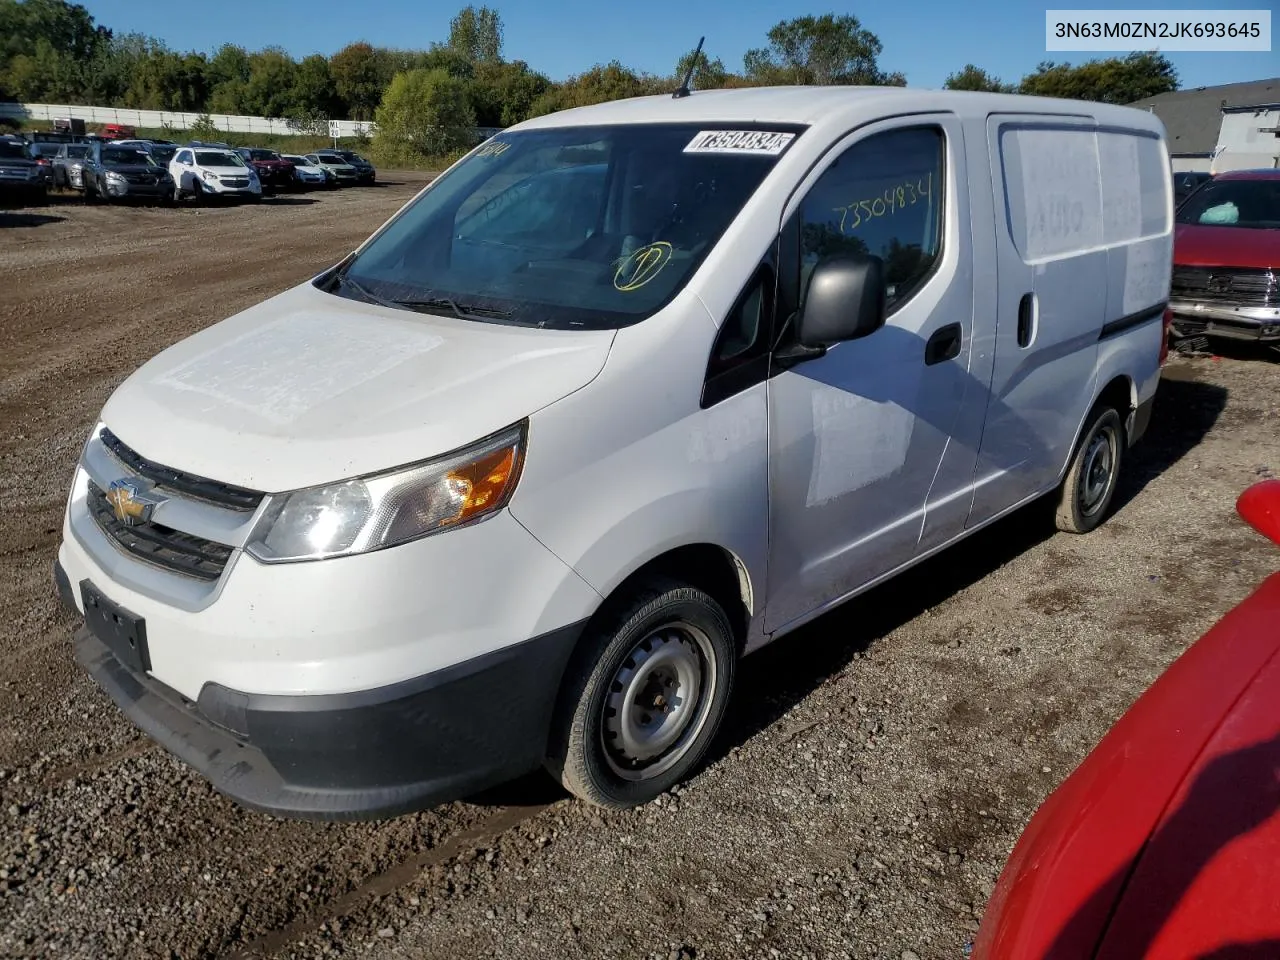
[385, 509]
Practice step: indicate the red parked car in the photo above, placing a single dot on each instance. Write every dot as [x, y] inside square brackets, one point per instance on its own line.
[1226, 258]
[275, 172]
[1165, 842]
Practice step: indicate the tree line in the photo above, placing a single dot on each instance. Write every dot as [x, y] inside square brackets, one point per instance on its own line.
[53, 51]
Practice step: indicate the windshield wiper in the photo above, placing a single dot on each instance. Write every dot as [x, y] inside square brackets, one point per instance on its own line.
[463, 311]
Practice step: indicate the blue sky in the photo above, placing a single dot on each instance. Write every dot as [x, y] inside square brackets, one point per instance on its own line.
[925, 39]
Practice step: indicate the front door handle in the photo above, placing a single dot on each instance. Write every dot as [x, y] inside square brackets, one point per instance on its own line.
[943, 345]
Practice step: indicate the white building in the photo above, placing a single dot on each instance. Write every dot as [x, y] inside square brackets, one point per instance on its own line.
[1249, 138]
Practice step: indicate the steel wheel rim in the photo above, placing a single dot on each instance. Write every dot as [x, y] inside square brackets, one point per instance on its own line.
[1097, 474]
[658, 701]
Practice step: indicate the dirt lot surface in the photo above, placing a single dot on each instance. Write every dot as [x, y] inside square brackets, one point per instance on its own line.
[874, 772]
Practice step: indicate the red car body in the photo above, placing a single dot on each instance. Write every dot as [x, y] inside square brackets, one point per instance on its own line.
[1226, 278]
[274, 172]
[1165, 842]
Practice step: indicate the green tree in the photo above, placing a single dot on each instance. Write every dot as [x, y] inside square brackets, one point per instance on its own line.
[1112, 80]
[229, 80]
[504, 93]
[270, 88]
[358, 78]
[476, 33]
[314, 93]
[975, 78]
[67, 28]
[819, 50]
[426, 113]
[600, 84]
[708, 74]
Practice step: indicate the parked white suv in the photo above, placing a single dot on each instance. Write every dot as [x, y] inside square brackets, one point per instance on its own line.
[629, 391]
[207, 172]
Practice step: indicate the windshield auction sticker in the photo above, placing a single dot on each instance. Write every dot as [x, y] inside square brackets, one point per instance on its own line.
[767, 142]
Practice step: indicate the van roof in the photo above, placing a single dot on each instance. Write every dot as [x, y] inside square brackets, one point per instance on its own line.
[813, 105]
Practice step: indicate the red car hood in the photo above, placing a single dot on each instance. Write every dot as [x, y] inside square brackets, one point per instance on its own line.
[1197, 245]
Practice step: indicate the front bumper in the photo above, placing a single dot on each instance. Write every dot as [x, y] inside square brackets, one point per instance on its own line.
[162, 188]
[223, 190]
[351, 756]
[1192, 318]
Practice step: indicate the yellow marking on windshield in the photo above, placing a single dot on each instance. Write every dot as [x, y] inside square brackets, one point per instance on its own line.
[641, 266]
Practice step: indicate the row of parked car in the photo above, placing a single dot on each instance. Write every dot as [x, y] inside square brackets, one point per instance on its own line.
[101, 169]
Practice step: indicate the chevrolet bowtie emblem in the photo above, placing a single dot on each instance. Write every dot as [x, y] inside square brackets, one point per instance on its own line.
[132, 501]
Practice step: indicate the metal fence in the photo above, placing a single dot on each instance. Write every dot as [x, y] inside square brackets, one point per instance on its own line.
[170, 119]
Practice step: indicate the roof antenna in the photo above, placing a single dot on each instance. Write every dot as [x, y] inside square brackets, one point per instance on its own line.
[683, 91]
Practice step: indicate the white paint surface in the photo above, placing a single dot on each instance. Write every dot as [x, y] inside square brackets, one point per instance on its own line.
[859, 442]
[1147, 273]
[283, 369]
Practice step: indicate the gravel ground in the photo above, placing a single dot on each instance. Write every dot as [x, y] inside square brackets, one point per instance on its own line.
[873, 774]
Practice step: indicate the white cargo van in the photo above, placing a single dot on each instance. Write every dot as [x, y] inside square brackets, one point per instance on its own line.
[630, 391]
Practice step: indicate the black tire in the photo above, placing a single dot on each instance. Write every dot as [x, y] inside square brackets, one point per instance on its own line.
[667, 637]
[1090, 484]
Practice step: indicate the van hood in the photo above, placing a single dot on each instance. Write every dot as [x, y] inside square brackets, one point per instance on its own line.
[1198, 245]
[307, 388]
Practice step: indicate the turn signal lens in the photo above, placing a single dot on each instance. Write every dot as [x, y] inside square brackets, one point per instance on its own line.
[484, 482]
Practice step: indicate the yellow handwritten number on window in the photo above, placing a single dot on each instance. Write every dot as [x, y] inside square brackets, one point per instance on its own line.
[641, 266]
[493, 148]
[893, 199]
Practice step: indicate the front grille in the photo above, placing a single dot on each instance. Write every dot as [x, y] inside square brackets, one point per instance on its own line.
[235, 182]
[146, 178]
[186, 484]
[1239, 286]
[157, 544]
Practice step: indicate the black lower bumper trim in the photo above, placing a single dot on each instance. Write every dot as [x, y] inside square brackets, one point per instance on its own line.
[360, 756]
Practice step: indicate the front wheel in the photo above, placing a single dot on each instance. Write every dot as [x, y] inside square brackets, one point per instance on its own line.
[1090, 484]
[643, 696]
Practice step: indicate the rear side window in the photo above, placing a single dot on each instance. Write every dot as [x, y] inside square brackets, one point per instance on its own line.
[883, 197]
[1070, 190]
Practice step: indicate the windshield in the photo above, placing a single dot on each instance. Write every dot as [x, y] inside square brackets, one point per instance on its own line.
[139, 157]
[1234, 203]
[163, 154]
[263, 155]
[331, 158]
[78, 151]
[575, 227]
[217, 158]
[13, 150]
[352, 157]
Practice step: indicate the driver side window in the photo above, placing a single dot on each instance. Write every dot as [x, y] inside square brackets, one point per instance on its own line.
[883, 197]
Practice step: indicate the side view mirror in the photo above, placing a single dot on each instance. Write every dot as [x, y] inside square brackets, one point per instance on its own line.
[845, 300]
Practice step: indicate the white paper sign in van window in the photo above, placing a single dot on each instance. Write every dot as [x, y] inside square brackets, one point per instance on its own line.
[1061, 211]
[767, 142]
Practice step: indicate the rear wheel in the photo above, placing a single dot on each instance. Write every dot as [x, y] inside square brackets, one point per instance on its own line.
[1090, 485]
[643, 696]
